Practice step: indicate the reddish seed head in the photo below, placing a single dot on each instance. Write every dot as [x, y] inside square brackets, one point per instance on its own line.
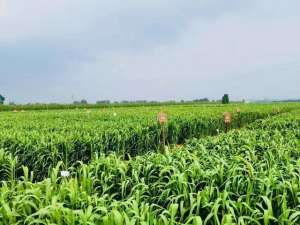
[162, 118]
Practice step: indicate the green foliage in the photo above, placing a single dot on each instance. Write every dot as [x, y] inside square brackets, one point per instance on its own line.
[78, 105]
[42, 139]
[247, 176]
[225, 99]
[2, 99]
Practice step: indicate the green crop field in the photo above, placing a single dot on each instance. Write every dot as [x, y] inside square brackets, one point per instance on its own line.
[109, 166]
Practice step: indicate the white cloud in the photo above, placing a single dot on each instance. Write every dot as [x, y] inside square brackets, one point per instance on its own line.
[2, 8]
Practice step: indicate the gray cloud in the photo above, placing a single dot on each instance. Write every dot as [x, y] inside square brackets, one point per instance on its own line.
[51, 50]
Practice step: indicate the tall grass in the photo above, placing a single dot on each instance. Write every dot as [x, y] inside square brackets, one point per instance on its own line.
[42, 139]
[248, 176]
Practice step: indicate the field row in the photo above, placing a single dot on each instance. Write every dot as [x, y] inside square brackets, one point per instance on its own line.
[41, 139]
[248, 176]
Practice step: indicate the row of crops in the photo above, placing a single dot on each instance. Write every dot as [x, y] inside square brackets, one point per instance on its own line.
[247, 176]
[40, 139]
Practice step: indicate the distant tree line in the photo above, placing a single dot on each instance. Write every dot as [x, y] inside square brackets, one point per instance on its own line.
[124, 102]
[289, 100]
[224, 100]
[82, 102]
[2, 99]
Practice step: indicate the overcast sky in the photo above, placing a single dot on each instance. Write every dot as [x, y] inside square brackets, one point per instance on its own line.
[149, 49]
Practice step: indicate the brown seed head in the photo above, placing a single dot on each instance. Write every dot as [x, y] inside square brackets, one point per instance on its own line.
[162, 118]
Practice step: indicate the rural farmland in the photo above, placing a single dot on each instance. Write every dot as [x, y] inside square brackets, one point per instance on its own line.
[109, 165]
[149, 112]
